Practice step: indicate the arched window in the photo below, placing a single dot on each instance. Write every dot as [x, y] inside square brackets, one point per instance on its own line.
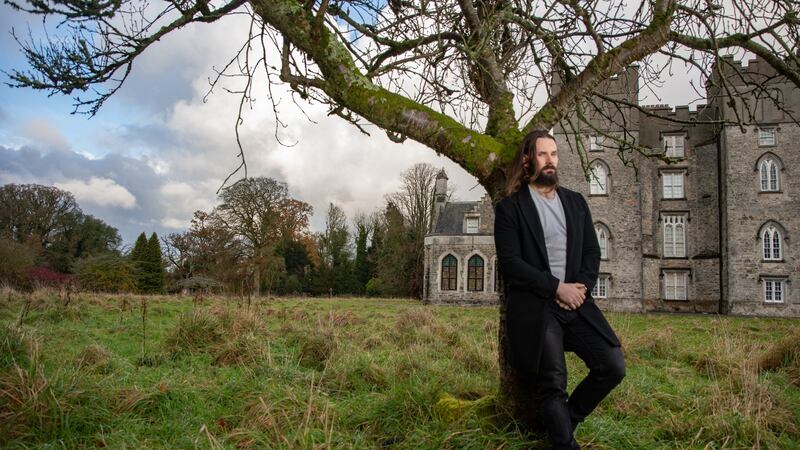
[475, 273]
[771, 244]
[449, 273]
[602, 239]
[769, 175]
[598, 179]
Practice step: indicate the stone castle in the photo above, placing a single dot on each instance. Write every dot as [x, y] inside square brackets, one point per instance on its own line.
[713, 230]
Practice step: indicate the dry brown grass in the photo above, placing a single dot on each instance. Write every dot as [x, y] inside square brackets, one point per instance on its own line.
[236, 321]
[783, 354]
[316, 346]
[660, 344]
[287, 419]
[476, 356]
[739, 401]
[29, 401]
[136, 400]
[96, 358]
[243, 349]
[196, 330]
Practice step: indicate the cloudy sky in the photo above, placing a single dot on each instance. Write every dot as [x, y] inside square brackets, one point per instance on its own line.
[156, 152]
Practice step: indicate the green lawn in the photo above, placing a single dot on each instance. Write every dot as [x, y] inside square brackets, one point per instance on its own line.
[361, 373]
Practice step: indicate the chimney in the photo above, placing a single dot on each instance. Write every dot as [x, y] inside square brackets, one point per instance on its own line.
[439, 197]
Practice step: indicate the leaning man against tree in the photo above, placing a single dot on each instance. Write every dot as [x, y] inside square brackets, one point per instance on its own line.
[549, 258]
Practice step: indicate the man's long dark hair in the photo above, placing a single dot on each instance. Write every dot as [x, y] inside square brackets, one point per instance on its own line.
[522, 173]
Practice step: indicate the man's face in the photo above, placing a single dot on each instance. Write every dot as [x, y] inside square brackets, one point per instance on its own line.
[546, 157]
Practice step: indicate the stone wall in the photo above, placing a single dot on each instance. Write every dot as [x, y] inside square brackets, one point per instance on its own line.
[748, 210]
[462, 247]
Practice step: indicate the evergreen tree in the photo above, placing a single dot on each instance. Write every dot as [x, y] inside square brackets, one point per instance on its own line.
[395, 263]
[362, 263]
[154, 266]
[138, 258]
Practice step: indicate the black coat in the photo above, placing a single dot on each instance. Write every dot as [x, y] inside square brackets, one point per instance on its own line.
[529, 285]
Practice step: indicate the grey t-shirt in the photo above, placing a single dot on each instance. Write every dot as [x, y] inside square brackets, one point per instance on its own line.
[554, 225]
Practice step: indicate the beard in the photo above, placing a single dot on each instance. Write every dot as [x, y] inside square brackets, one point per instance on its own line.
[547, 179]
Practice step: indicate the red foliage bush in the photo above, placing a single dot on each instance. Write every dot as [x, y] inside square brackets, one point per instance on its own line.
[42, 276]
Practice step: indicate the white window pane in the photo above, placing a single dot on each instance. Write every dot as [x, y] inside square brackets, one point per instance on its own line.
[677, 181]
[773, 177]
[778, 291]
[764, 176]
[766, 136]
[668, 240]
[776, 245]
[766, 242]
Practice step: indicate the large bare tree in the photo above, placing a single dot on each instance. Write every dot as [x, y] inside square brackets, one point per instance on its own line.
[467, 78]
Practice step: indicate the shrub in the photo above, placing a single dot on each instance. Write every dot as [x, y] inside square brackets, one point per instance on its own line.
[105, 273]
[374, 287]
[15, 258]
[42, 276]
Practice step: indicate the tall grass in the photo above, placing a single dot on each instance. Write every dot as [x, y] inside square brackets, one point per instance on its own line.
[357, 373]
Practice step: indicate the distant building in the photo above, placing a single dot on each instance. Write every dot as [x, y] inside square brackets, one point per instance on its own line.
[712, 232]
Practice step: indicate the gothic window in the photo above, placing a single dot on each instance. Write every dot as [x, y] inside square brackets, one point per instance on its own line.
[449, 273]
[675, 284]
[602, 238]
[672, 184]
[598, 179]
[769, 171]
[771, 244]
[601, 288]
[674, 235]
[774, 290]
[674, 145]
[475, 273]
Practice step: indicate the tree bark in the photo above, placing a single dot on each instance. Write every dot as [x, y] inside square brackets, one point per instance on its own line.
[516, 391]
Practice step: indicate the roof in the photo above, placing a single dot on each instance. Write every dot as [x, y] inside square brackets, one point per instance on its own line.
[451, 219]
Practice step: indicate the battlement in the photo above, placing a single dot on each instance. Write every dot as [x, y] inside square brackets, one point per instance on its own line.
[680, 111]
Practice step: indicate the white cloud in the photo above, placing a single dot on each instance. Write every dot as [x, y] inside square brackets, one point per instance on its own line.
[43, 134]
[174, 223]
[100, 191]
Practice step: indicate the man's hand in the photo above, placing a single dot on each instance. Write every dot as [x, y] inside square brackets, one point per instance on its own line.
[570, 295]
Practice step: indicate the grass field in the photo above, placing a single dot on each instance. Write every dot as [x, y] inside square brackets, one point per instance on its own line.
[363, 373]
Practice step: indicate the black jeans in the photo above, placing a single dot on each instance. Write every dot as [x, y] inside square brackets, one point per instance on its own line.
[568, 331]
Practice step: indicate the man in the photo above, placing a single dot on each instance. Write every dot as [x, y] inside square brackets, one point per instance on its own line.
[549, 258]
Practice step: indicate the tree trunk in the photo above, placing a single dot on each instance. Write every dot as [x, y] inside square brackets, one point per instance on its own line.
[516, 390]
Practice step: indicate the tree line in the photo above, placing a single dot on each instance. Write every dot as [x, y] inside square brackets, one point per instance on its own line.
[255, 241]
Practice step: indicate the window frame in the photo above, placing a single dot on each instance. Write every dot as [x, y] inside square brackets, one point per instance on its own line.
[773, 135]
[665, 174]
[472, 275]
[594, 143]
[598, 229]
[669, 220]
[769, 172]
[595, 180]
[452, 270]
[770, 244]
[603, 280]
[676, 274]
[674, 137]
[467, 220]
[774, 282]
